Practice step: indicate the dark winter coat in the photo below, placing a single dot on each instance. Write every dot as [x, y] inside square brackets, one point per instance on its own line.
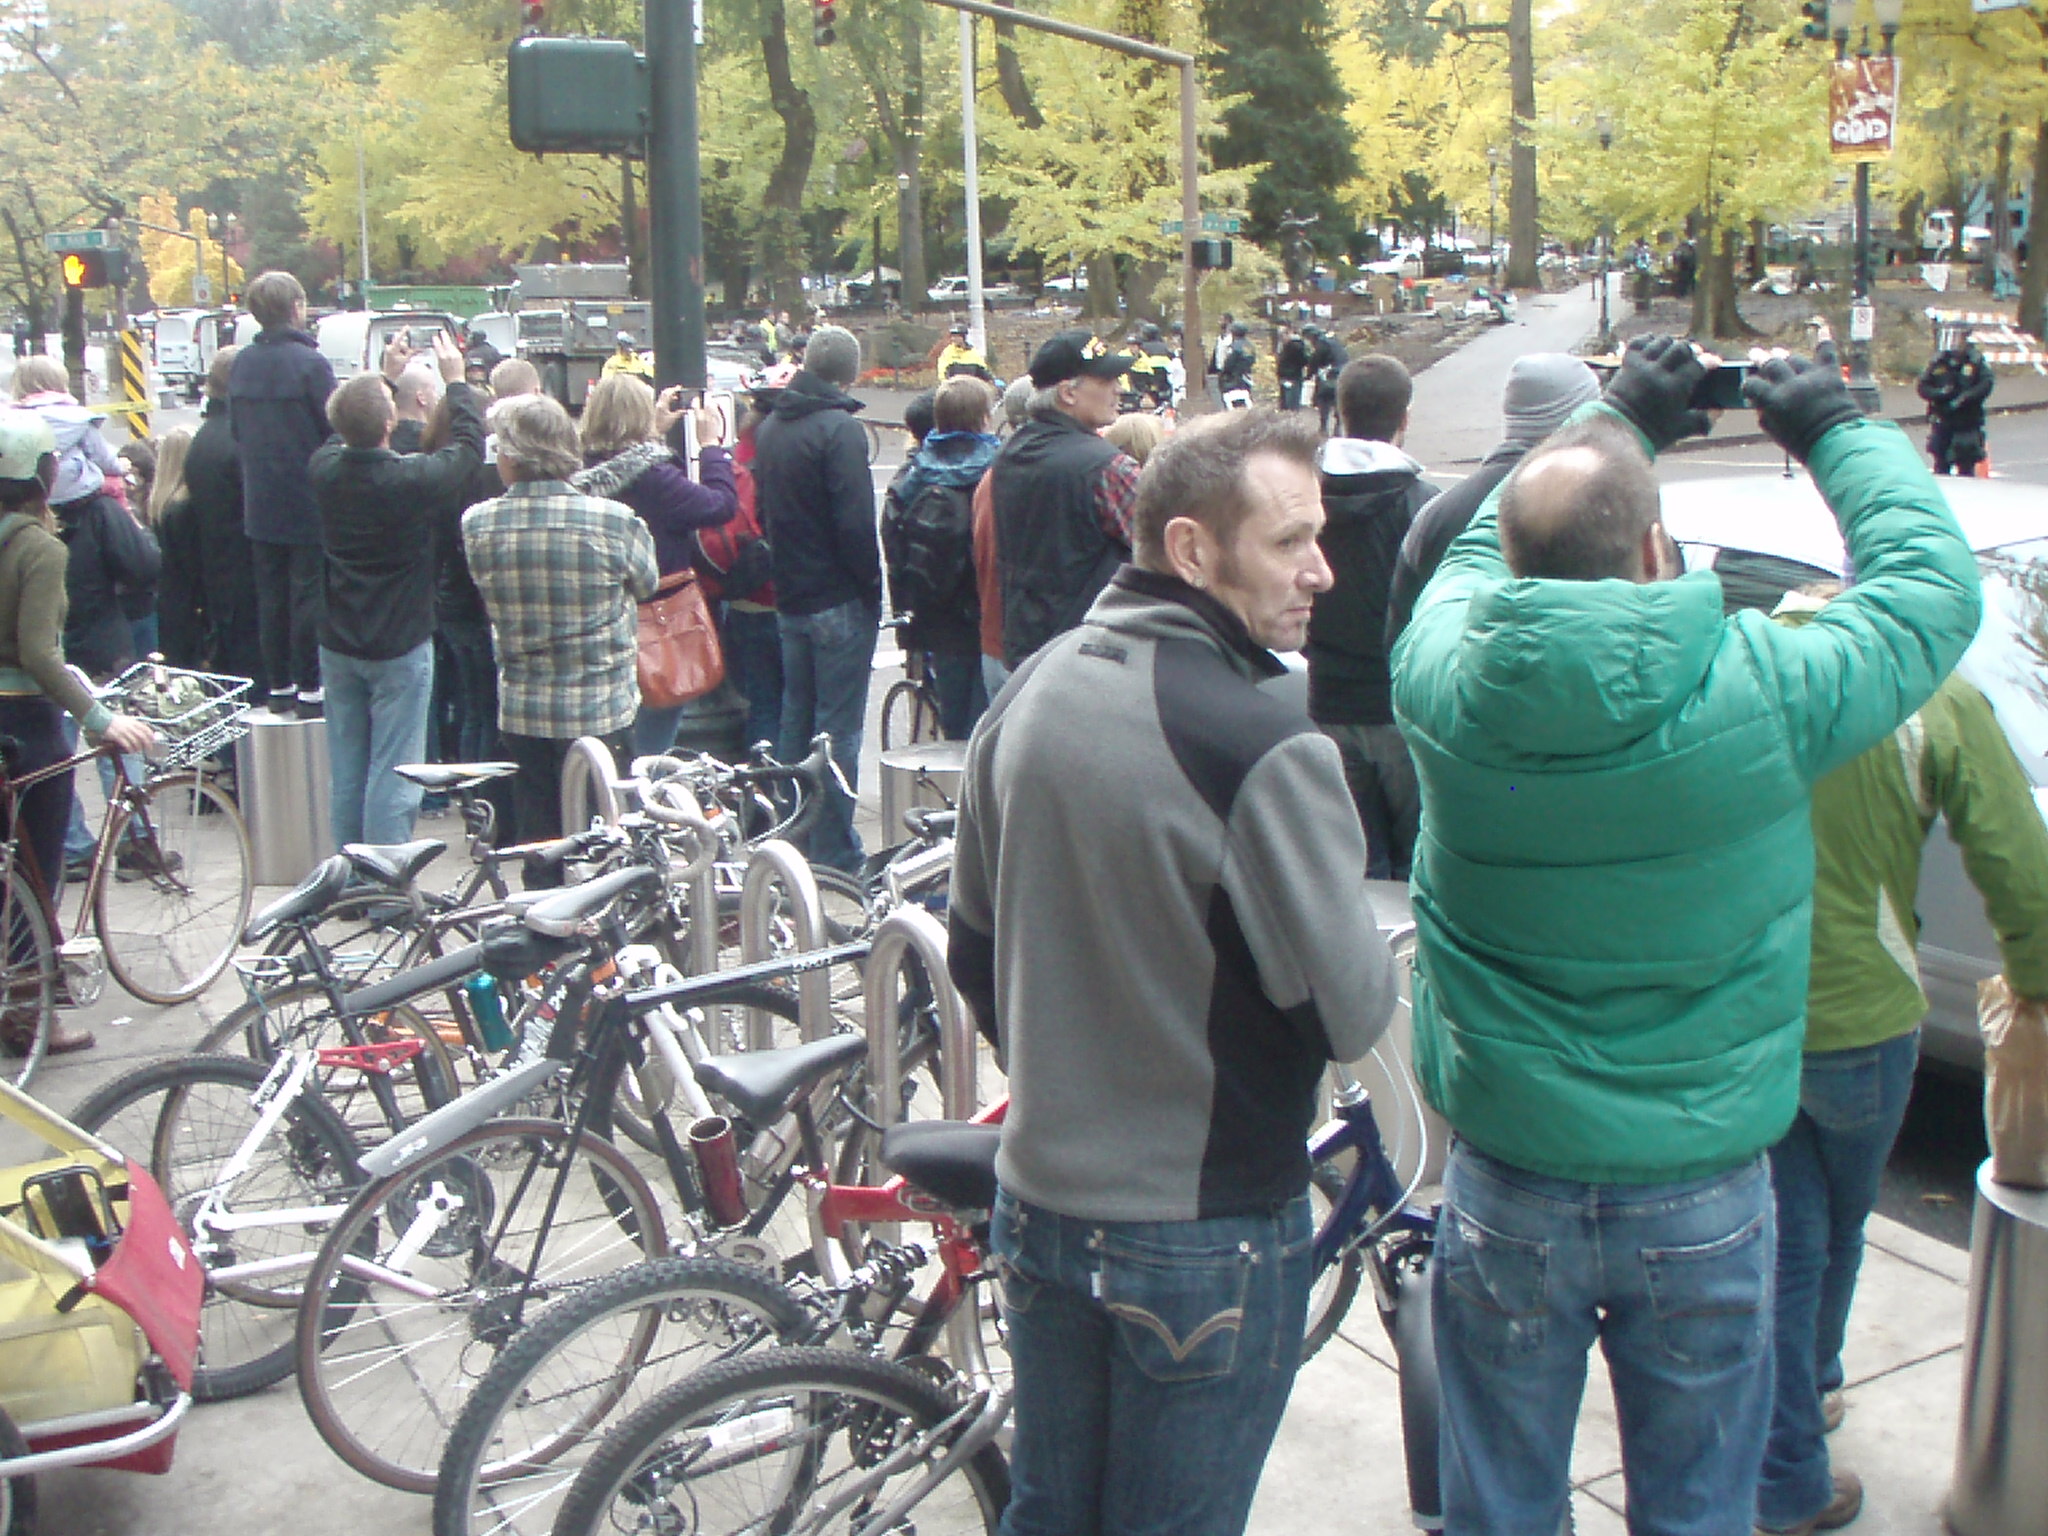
[817, 499]
[107, 551]
[278, 390]
[223, 583]
[1442, 518]
[1371, 493]
[647, 478]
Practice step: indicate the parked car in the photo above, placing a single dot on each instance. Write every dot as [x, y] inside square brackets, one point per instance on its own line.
[353, 340]
[953, 290]
[1766, 534]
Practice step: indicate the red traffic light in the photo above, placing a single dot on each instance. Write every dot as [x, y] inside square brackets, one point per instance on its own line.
[824, 19]
[534, 15]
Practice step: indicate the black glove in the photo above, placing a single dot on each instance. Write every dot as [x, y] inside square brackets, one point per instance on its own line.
[1798, 401]
[1654, 386]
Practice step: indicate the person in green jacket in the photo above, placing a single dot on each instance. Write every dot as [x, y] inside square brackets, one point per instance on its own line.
[1871, 820]
[1612, 892]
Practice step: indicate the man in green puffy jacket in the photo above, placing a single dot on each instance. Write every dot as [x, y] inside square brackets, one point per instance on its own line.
[1871, 820]
[1612, 892]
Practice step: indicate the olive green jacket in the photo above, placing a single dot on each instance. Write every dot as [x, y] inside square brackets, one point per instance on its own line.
[1614, 878]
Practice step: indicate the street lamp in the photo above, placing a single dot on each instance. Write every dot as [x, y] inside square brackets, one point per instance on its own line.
[1493, 203]
[1862, 312]
[221, 227]
[1604, 343]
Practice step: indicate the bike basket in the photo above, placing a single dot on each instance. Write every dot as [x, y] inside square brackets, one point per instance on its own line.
[194, 714]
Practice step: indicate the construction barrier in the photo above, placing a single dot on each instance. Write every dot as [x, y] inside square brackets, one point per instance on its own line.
[135, 383]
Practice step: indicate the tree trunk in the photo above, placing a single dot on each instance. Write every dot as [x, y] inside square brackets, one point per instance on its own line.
[1102, 293]
[2034, 276]
[1523, 236]
[782, 203]
[1010, 74]
[629, 231]
[2001, 194]
[1759, 258]
[1724, 318]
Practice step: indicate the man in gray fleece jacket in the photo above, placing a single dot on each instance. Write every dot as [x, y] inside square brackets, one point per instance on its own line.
[1159, 915]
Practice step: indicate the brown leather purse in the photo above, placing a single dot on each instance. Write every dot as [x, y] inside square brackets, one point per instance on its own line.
[680, 657]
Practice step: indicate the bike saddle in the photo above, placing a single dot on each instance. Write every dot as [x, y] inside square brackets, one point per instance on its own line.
[953, 1161]
[453, 775]
[393, 864]
[310, 897]
[760, 1084]
[563, 912]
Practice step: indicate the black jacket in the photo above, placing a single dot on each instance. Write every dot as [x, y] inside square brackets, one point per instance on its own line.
[1371, 493]
[1290, 360]
[1055, 556]
[279, 389]
[378, 510]
[1326, 359]
[1442, 518]
[107, 550]
[209, 574]
[817, 500]
[1955, 389]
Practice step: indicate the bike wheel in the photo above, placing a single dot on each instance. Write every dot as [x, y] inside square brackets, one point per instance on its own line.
[758, 1443]
[183, 1120]
[627, 1102]
[300, 1013]
[909, 717]
[28, 976]
[1334, 1288]
[17, 1494]
[460, 1249]
[171, 922]
[533, 1420]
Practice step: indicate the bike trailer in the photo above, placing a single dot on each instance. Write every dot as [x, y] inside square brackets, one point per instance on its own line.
[99, 1305]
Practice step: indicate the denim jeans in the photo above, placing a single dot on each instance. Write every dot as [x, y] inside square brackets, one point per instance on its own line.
[994, 675]
[469, 692]
[1153, 1361]
[753, 660]
[963, 697]
[80, 835]
[1673, 1280]
[376, 719]
[1825, 1173]
[827, 659]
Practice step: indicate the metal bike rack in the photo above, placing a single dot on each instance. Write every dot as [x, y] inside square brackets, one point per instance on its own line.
[913, 930]
[774, 863]
[590, 777]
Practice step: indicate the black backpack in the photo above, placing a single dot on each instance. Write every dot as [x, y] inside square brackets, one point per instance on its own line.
[929, 546]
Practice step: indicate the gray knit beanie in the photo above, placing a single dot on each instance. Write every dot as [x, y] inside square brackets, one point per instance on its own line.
[833, 355]
[1543, 389]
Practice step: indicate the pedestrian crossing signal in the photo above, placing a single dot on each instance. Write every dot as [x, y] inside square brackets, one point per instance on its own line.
[94, 269]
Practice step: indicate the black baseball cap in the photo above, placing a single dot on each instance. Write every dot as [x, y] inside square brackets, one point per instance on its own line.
[1076, 354]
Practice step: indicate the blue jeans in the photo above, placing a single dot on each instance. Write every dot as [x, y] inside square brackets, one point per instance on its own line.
[753, 660]
[963, 697]
[653, 731]
[1153, 1361]
[469, 688]
[827, 659]
[376, 719]
[1673, 1280]
[1825, 1173]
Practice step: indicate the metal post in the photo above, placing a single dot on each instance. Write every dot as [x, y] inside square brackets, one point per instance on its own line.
[675, 211]
[912, 930]
[777, 863]
[977, 312]
[362, 220]
[1190, 224]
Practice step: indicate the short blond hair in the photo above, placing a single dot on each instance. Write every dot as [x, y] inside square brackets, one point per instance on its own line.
[618, 414]
[1137, 434]
[536, 438]
[36, 373]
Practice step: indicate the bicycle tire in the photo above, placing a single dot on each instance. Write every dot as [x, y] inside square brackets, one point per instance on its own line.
[618, 1103]
[167, 937]
[874, 441]
[864, 1402]
[515, 1447]
[28, 974]
[246, 1329]
[391, 1425]
[308, 1019]
[17, 1494]
[910, 717]
[1334, 1289]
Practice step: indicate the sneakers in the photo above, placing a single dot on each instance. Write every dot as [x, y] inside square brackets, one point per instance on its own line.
[136, 861]
[18, 1035]
[1833, 1405]
[311, 705]
[1845, 1506]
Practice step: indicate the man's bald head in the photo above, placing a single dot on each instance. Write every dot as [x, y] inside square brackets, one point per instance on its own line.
[1581, 508]
[417, 390]
[514, 376]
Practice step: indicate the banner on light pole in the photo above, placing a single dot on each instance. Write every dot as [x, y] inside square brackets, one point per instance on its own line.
[1863, 108]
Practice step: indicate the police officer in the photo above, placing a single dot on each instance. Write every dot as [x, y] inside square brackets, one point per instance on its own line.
[1955, 386]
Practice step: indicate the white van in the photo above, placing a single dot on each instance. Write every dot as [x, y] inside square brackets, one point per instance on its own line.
[353, 340]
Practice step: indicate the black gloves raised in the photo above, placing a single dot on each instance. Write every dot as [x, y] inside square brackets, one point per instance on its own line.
[1798, 401]
[1654, 387]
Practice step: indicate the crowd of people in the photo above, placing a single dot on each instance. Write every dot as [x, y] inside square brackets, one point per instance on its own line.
[1661, 854]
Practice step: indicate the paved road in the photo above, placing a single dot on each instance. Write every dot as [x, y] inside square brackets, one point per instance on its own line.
[1454, 419]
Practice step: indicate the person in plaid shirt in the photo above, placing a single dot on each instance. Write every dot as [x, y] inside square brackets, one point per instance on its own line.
[560, 573]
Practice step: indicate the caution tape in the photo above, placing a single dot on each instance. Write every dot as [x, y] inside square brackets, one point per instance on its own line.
[2002, 343]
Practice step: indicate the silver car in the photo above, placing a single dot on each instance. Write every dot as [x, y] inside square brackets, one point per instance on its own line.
[1766, 533]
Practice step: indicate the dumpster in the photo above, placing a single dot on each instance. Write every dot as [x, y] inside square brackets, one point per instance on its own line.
[281, 769]
[2001, 1480]
[925, 774]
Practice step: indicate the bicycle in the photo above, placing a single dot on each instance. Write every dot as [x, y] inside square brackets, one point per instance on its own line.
[910, 709]
[171, 877]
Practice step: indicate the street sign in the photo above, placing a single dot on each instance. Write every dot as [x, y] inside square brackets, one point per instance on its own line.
[1862, 321]
[60, 240]
[202, 288]
[1212, 224]
[1863, 101]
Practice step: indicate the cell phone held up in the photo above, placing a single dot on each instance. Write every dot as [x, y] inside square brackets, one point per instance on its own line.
[1721, 389]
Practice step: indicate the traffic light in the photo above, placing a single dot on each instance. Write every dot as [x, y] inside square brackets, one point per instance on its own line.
[1213, 255]
[1826, 19]
[94, 269]
[824, 21]
[533, 17]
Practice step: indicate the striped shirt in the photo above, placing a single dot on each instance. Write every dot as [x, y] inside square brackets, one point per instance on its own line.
[560, 573]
